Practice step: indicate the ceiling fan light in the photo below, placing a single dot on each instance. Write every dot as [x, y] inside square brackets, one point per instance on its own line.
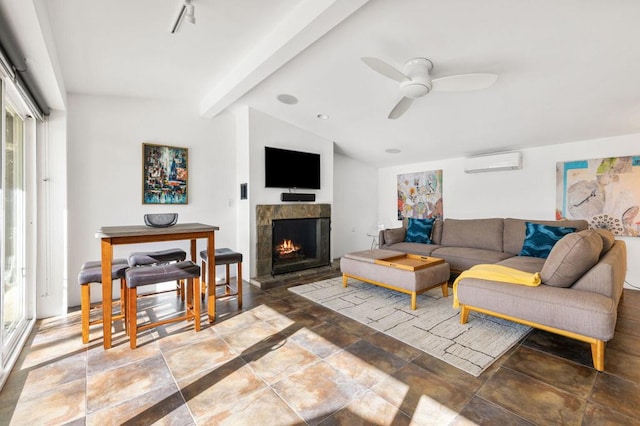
[414, 90]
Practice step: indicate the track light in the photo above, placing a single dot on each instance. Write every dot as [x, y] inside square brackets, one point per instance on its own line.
[187, 9]
[191, 17]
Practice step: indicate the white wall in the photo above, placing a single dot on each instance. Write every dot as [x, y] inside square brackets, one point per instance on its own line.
[105, 136]
[355, 194]
[265, 130]
[243, 175]
[529, 193]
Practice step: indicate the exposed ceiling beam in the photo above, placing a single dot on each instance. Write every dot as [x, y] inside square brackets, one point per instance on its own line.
[309, 21]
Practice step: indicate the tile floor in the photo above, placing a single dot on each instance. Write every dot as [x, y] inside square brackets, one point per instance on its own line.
[283, 360]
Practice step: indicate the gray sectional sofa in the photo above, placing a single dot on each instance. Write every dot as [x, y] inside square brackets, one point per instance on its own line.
[582, 277]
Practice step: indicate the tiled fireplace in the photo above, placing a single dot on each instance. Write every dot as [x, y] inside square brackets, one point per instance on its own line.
[292, 237]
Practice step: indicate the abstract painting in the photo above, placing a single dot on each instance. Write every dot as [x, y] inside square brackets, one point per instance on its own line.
[420, 195]
[164, 174]
[603, 191]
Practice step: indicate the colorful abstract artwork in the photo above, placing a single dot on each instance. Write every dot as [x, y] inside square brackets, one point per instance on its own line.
[603, 191]
[420, 195]
[164, 174]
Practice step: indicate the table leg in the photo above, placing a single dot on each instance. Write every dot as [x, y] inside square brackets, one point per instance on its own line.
[191, 297]
[196, 303]
[194, 252]
[211, 272]
[107, 291]
[239, 284]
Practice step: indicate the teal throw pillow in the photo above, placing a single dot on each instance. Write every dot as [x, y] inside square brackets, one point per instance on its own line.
[419, 230]
[540, 239]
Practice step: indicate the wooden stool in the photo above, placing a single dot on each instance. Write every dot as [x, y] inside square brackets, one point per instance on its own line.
[147, 275]
[224, 256]
[91, 272]
[147, 258]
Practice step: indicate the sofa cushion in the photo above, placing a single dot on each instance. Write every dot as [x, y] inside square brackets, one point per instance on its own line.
[462, 258]
[419, 230]
[395, 235]
[540, 239]
[436, 233]
[524, 263]
[515, 230]
[414, 248]
[571, 257]
[607, 239]
[607, 277]
[473, 233]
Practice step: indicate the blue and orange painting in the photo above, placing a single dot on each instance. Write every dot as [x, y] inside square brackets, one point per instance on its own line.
[164, 174]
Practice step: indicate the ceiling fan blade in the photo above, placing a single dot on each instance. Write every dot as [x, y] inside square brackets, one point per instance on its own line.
[385, 69]
[462, 82]
[401, 107]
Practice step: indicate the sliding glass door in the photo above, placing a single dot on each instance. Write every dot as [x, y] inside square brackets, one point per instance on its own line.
[12, 249]
[17, 281]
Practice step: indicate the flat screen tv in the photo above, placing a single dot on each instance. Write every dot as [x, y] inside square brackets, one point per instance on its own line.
[291, 169]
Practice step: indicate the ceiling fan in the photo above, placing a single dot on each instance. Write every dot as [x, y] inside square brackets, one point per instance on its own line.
[416, 82]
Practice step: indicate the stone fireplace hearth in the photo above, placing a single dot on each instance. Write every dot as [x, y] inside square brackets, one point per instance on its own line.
[267, 213]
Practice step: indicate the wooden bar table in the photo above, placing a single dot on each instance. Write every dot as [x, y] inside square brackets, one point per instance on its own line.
[136, 234]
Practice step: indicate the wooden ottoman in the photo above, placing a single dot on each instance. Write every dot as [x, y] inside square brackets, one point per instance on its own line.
[407, 273]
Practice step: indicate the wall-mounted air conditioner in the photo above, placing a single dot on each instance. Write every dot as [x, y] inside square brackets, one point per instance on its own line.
[493, 162]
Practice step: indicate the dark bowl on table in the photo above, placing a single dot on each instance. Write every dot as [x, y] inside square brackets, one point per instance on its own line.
[160, 220]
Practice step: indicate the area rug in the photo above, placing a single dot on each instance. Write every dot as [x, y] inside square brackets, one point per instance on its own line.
[434, 327]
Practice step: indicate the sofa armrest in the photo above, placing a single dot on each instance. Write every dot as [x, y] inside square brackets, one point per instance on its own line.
[381, 238]
[391, 236]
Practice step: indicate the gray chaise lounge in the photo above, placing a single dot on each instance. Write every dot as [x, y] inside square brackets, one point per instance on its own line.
[582, 278]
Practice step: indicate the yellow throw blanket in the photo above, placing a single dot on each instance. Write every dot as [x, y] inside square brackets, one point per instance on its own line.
[496, 273]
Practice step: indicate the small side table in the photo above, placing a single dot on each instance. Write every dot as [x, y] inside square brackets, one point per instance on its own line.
[374, 239]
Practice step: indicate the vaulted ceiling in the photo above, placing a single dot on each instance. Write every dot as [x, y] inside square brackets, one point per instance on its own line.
[568, 70]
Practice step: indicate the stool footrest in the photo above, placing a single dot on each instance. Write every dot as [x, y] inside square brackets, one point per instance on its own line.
[142, 327]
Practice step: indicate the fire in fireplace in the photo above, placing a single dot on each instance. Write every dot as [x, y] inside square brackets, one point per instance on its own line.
[300, 244]
[288, 249]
